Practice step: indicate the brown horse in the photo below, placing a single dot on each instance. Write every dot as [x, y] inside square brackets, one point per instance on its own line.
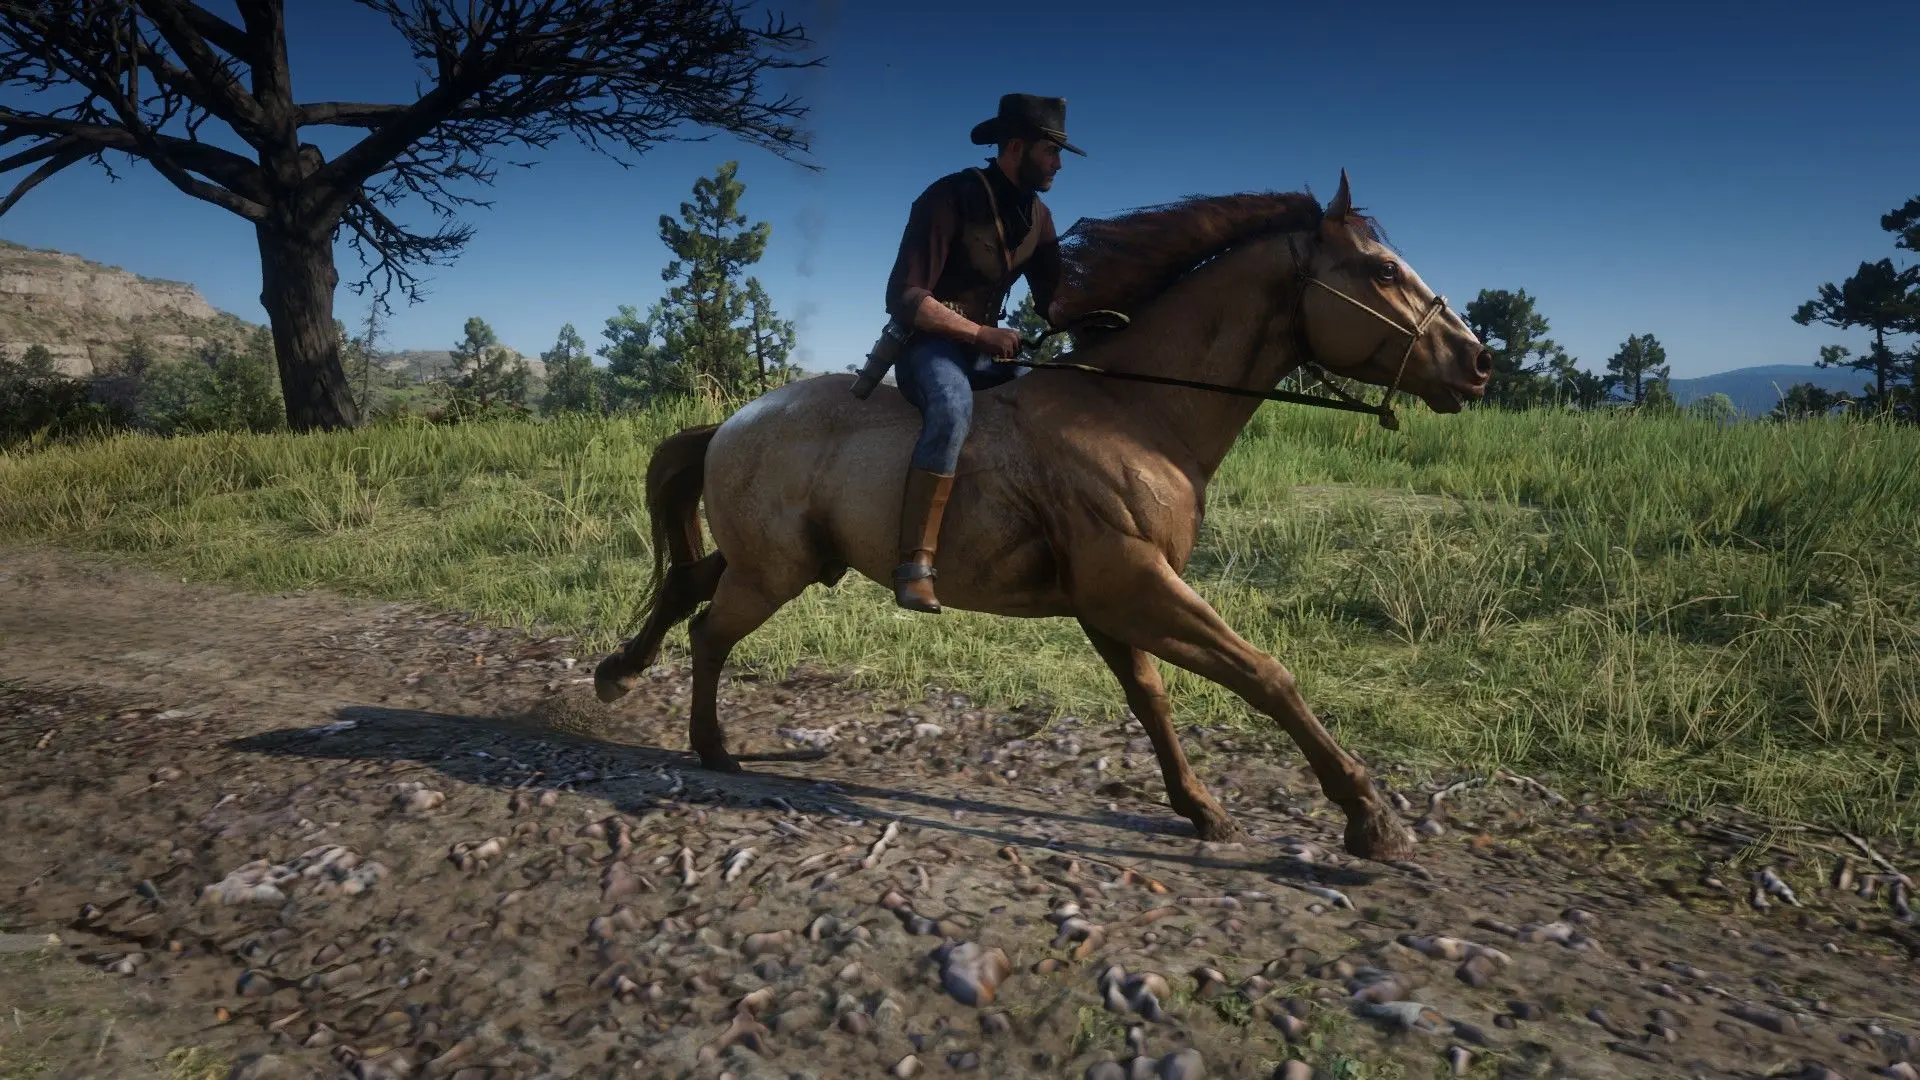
[1078, 495]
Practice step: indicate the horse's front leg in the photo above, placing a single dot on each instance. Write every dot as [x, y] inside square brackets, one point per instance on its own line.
[1147, 697]
[1141, 601]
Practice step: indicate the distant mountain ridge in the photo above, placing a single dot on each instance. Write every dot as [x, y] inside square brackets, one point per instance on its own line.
[1756, 390]
[86, 312]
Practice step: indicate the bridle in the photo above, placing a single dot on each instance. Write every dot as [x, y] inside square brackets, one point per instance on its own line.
[1341, 400]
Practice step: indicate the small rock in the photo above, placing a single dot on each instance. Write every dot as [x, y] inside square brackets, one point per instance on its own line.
[419, 801]
[1526, 1010]
[906, 1068]
[972, 973]
[1293, 1070]
[1183, 1065]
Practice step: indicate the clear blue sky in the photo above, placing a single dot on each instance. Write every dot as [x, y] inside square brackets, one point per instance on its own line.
[1692, 170]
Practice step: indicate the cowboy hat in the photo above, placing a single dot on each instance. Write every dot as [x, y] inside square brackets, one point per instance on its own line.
[1024, 116]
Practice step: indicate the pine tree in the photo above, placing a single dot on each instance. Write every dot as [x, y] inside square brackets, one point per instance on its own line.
[487, 374]
[699, 321]
[769, 338]
[1641, 361]
[638, 370]
[1516, 334]
[572, 383]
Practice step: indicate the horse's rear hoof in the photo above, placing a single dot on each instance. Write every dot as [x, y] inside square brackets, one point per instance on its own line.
[1378, 836]
[608, 686]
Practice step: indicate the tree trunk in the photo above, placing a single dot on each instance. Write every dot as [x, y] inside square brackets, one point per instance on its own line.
[297, 279]
[1880, 359]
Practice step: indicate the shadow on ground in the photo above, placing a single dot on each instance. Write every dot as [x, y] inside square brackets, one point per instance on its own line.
[472, 749]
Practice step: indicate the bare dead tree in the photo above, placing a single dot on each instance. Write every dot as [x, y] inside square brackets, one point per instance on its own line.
[142, 78]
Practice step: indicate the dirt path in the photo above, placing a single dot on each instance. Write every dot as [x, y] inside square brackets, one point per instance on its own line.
[322, 837]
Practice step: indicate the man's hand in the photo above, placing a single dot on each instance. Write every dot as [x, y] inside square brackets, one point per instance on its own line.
[997, 341]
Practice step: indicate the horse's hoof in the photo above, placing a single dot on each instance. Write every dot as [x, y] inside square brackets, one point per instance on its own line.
[1215, 827]
[722, 762]
[1224, 831]
[607, 686]
[1379, 836]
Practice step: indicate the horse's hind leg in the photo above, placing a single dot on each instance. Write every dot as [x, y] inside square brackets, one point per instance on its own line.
[741, 604]
[1143, 602]
[682, 591]
[1147, 697]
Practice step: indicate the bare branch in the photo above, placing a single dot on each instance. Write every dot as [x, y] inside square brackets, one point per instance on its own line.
[44, 54]
[619, 75]
[221, 93]
[346, 114]
[392, 248]
[222, 34]
[33, 179]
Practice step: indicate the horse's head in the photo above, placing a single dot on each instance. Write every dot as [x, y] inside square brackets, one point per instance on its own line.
[1368, 316]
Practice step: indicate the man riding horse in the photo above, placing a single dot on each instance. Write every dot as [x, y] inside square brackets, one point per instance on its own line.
[970, 235]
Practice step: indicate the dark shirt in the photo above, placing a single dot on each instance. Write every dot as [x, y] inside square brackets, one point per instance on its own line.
[933, 223]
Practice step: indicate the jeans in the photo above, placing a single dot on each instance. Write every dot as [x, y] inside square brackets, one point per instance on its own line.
[940, 376]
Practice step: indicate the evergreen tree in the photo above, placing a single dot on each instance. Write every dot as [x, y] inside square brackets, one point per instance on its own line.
[699, 322]
[1803, 400]
[487, 375]
[769, 338]
[1878, 298]
[1516, 334]
[638, 371]
[1641, 362]
[360, 358]
[1572, 384]
[572, 383]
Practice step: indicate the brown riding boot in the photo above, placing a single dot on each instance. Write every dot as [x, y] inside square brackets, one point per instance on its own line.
[920, 512]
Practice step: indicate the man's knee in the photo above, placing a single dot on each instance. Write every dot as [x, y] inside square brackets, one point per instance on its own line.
[943, 430]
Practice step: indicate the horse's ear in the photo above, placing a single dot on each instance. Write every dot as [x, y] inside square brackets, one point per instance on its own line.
[1342, 203]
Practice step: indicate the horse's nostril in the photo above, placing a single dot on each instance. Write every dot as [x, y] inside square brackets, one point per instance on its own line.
[1483, 363]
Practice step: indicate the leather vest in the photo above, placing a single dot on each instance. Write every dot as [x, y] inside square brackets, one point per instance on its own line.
[979, 271]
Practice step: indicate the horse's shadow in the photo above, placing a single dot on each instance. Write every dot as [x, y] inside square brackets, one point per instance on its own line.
[471, 749]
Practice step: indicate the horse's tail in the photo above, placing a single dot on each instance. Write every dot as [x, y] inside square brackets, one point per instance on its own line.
[676, 477]
[682, 578]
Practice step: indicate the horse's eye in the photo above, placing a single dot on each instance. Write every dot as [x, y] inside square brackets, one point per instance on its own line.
[1388, 273]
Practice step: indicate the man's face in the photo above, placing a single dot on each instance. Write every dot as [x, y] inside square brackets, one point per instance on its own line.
[1039, 160]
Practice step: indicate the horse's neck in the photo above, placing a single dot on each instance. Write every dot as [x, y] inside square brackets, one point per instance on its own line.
[1215, 327]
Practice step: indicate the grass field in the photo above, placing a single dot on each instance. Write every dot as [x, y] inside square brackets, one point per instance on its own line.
[1621, 603]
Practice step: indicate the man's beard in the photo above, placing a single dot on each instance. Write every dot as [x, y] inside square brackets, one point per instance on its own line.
[1033, 175]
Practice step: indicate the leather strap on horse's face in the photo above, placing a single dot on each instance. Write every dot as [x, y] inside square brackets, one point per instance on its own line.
[1418, 330]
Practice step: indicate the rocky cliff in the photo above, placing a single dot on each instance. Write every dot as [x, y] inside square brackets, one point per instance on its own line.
[86, 313]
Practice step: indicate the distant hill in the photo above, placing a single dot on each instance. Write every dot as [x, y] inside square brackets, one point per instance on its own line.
[425, 365]
[1756, 390]
[85, 312]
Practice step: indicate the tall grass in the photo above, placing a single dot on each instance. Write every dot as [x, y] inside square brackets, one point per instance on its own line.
[1626, 603]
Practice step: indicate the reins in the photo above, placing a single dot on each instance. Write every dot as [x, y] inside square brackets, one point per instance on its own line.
[1342, 400]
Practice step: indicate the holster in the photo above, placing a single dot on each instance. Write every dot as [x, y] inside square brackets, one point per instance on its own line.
[893, 337]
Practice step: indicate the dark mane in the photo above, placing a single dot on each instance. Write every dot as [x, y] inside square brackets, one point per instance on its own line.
[1120, 263]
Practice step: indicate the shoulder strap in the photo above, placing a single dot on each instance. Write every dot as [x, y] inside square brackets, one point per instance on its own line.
[993, 207]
